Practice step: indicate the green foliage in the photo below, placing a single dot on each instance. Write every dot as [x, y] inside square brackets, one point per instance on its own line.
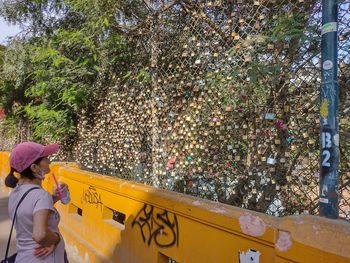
[2, 55]
[49, 76]
[49, 125]
[11, 125]
[15, 77]
[289, 27]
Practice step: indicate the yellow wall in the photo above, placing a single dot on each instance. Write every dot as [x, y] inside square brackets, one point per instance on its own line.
[193, 230]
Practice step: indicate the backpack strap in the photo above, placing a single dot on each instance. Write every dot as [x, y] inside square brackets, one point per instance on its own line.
[14, 218]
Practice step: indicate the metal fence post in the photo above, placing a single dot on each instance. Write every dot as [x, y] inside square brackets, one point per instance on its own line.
[329, 95]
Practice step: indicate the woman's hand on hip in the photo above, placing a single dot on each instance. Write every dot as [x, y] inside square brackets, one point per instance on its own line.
[43, 252]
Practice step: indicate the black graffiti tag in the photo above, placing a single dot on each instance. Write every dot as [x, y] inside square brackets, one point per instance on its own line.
[157, 225]
[91, 196]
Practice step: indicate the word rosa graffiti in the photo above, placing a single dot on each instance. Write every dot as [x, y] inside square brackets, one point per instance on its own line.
[92, 197]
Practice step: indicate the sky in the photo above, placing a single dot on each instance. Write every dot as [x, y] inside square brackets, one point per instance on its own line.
[7, 30]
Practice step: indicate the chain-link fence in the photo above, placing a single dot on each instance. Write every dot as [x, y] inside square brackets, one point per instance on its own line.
[10, 137]
[221, 101]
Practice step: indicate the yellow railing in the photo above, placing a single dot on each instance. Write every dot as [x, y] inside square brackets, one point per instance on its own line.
[111, 220]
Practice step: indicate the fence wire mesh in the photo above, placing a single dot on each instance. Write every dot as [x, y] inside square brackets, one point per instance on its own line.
[220, 100]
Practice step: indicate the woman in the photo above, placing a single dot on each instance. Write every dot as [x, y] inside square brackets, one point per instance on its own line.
[37, 233]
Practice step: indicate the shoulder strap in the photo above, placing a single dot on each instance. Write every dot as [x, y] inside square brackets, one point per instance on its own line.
[14, 218]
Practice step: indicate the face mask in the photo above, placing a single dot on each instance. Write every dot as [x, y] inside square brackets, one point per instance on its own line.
[41, 174]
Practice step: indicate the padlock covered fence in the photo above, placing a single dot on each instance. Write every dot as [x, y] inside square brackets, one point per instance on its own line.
[219, 100]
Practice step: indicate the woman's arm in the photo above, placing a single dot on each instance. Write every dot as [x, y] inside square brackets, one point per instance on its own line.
[41, 234]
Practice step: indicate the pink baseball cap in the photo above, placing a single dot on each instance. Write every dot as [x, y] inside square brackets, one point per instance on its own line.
[25, 154]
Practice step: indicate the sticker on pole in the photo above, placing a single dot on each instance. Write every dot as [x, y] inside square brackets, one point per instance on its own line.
[329, 27]
[327, 65]
[324, 200]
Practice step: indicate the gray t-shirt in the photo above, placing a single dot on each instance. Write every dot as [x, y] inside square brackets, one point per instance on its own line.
[36, 200]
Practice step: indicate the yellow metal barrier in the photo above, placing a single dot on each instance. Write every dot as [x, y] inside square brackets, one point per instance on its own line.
[111, 220]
